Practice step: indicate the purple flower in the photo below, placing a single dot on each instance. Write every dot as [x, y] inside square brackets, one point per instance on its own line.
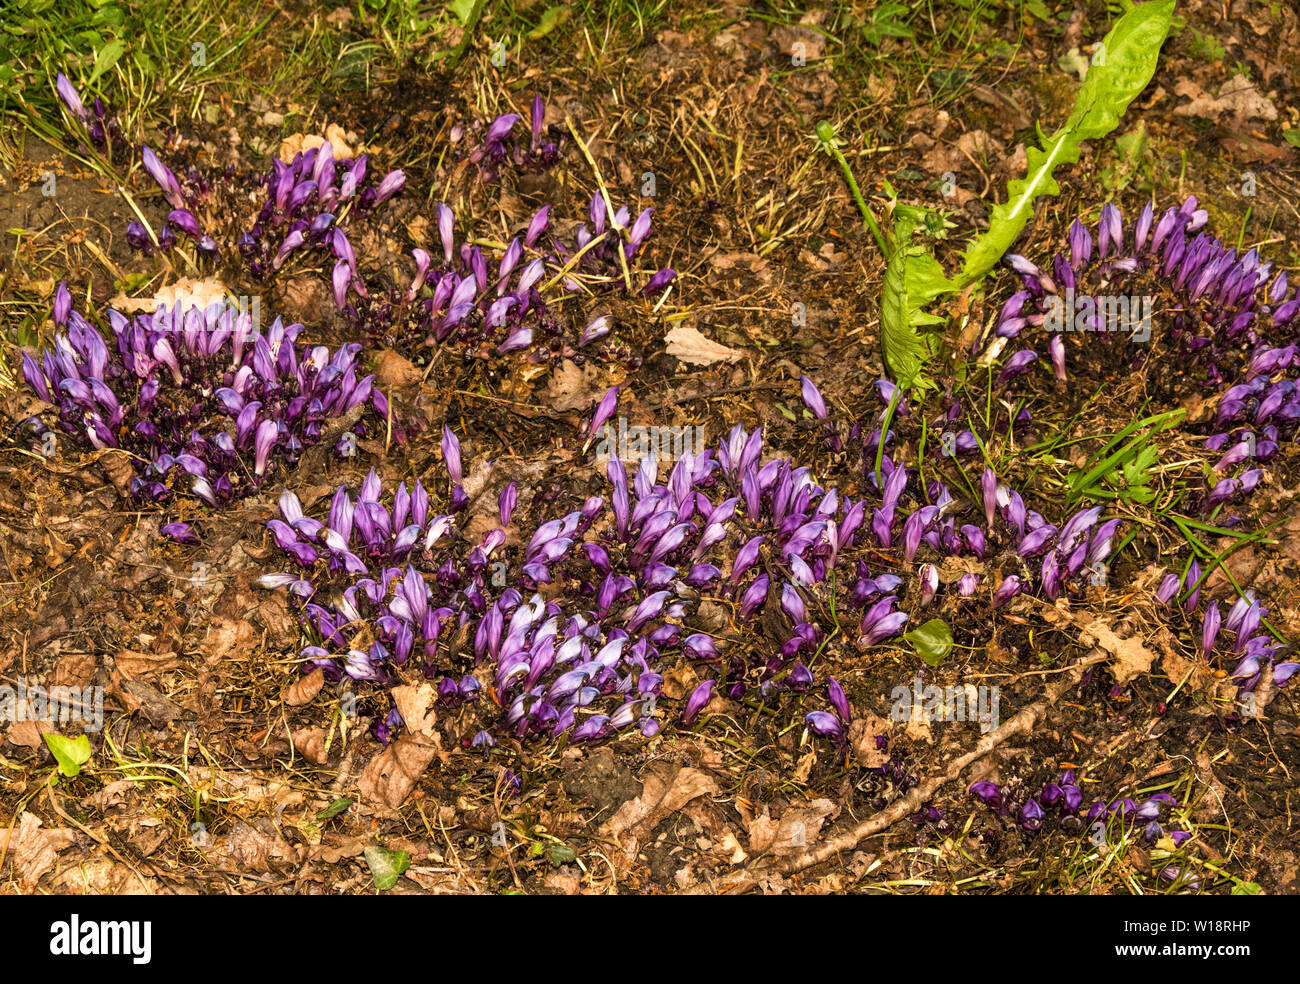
[604, 410]
[71, 98]
[166, 180]
[180, 532]
[1008, 589]
[697, 701]
[839, 701]
[813, 399]
[826, 725]
[988, 792]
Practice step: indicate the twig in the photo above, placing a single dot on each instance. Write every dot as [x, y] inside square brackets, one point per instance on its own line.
[1022, 723]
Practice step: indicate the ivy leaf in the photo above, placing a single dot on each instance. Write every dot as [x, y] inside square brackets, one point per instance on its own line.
[70, 753]
[932, 641]
[386, 866]
[1125, 63]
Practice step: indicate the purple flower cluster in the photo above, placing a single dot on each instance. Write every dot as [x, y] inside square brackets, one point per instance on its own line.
[1230, 320]
[408, 577]
[309, 205]
[101, 128]
[1252, 650]
[499, 147]
[454, 298]
[191, 393]
[1063, 798]
[629, 570]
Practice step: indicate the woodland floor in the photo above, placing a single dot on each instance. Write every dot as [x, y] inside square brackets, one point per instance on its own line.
[206, 778]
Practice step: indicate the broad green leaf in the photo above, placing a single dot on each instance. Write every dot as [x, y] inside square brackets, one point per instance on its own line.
[462, 9]
[1246, 888]
[70, 753]
[386, 866]
[913, 279]
[1125, 63]
[1292, 137]
[108, 56]
[932, 641]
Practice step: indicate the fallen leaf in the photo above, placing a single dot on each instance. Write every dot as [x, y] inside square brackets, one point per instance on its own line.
[390, 775]
[862, 740]
[27, 734]
[667, 788]
[688, 345]
[305, 689]
[310, 744]
[34, 851]
[415, 704]
[1132, 657]
[228, 638]
[142, 666]
[794, 833]
[1237, 98]
[74, 670]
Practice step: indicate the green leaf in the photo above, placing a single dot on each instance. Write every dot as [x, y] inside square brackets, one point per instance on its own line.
[107, 58]
[913, 279]
[1292, 137]
[1246, 888]
[335, 808]
[1125, 64]
[561, 854]
[932, 641]
[386, 866]
[551, 19]
[70, 753]
[462, 9]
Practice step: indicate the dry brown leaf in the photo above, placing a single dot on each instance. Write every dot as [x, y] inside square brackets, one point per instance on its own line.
[144, 666]
[1237, 98]
[305, 689]
[1132, 658]
[194, 293]
[794, 833]
[576, 387]
[74, 670]
[393, 371]
[256, 849]
[34, 851]
[390, 776]
[27, 734]
[688, 345]
[415, 704]
[228, 639]
[310, 744]
[104, 876]
[667, 788]
[862, 740]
